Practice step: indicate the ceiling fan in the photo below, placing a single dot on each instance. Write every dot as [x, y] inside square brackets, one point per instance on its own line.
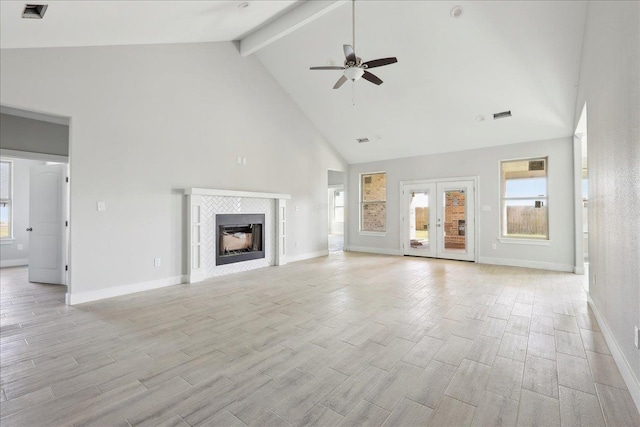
[354, 68]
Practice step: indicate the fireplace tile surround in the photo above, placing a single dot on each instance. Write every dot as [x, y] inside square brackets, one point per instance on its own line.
[203, 205]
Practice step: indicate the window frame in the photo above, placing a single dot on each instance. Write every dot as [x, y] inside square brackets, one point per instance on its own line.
[361, 203]
[523, 239]
[8, 201]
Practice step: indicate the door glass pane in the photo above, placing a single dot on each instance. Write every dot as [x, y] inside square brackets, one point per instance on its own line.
[455, 216]
[419, 220]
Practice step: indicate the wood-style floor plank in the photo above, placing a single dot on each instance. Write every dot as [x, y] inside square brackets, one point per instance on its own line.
[348, 339]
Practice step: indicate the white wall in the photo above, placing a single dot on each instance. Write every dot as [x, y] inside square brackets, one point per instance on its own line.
[484, 163]
[35, 136]
[336, 177]
[610, 85]
[9, 253]
[147, 121]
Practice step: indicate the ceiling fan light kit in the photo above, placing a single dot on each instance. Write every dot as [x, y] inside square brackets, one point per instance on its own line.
[353, 73]
[354, 69]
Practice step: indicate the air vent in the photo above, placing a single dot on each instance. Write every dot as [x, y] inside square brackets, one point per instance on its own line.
[502, 115]
[34, 11]
[536, 165]
[362, 140]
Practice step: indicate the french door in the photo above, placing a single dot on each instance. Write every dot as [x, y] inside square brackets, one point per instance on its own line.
[439, 219]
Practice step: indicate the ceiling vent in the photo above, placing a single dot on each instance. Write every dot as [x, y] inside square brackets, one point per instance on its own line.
[502, 115]
[362, 140]
[34, 11]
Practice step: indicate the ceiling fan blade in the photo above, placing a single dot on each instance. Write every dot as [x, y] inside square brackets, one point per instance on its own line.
[327, 68]
[349, 53]
[372, 78]
[340, 82]
[380, 62]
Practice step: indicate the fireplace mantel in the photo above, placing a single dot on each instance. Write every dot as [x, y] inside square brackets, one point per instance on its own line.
[202, 206]
[234, 193]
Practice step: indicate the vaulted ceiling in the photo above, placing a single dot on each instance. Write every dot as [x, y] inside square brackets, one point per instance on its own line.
[452, 73]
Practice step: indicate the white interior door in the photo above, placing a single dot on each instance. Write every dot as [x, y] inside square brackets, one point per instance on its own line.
[439, 219]
[47, 217]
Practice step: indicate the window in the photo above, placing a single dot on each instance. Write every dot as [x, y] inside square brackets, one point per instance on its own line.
[524, 199]
[373, 202]
[338, 206]
[5, 199]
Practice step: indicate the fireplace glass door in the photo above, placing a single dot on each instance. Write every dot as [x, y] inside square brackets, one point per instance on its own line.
[239, 237]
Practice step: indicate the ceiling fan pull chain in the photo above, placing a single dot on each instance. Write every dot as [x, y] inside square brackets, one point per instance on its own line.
[353, 93]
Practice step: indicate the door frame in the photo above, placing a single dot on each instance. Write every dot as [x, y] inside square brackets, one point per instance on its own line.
[59, 119]
[476, 192]
[345, 189]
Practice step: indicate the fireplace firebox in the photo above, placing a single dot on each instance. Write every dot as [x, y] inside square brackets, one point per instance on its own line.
[239, 237]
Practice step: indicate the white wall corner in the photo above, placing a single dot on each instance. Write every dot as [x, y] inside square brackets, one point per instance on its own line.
[632, 382]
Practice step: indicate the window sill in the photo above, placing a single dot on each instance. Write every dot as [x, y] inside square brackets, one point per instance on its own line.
[7, 241]
[533, 242]
[373, 233]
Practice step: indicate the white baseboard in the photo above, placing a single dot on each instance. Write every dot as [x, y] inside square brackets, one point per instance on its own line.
[528, 264]
[195, 277]
[379, 251]
[302, 257]
[632, 382]
[82, 297]
[13, 262]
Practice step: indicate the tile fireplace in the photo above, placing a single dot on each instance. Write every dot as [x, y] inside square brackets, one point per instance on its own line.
[233, 231]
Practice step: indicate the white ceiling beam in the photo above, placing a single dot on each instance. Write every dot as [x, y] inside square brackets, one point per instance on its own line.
[286, 24]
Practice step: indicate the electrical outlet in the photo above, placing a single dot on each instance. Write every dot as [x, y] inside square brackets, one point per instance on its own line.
[101, 206]
[637, 338]
[494, 246]
[20, 247]
[156, 262]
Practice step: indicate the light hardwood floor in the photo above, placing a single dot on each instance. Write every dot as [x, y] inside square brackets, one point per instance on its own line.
[348, 339]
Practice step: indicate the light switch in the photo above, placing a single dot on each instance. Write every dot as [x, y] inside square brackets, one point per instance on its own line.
[101, 206]
[244, 160]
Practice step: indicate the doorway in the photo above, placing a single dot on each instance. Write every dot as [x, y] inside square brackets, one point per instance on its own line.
[438, 219]
[336, 211]
[581, 173]
[35, 217]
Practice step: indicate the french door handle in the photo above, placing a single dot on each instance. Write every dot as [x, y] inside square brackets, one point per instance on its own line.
[29, 229]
